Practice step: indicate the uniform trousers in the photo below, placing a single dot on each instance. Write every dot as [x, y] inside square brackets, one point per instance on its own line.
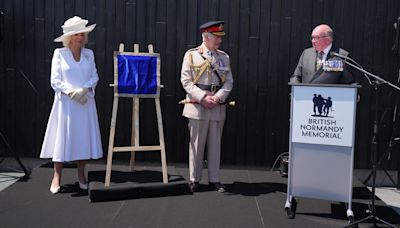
[205, 133]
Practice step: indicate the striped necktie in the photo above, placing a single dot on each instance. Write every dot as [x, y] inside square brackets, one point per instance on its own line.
[319, 61]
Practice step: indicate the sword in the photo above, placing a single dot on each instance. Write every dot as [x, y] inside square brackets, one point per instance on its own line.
[228, 103]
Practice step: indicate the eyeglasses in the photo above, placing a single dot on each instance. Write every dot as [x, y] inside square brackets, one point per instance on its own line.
[317, 37]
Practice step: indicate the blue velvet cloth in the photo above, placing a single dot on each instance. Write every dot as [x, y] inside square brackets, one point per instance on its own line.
[137, 74]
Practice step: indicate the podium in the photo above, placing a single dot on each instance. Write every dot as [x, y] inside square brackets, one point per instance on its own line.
[321, 144]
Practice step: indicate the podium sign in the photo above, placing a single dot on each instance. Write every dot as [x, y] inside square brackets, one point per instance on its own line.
[321, 115]
[321, 143]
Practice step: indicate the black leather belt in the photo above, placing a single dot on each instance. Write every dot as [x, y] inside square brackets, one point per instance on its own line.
[211, 88]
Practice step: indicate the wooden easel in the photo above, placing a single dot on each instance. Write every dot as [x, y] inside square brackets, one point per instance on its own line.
[135, 118]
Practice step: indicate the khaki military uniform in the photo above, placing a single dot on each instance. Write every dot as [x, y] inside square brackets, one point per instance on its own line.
[203, 71]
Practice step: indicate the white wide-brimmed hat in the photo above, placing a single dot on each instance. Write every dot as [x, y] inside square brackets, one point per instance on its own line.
[74, 25]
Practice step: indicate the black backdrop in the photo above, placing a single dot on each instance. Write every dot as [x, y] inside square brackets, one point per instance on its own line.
[264, 39]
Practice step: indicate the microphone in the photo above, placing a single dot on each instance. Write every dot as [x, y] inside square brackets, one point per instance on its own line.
[333, 54]
[352, 63]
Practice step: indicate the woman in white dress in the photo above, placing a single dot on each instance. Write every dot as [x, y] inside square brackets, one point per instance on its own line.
[72, 132]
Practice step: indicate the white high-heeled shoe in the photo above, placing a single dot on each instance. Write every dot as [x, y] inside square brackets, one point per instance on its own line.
[83, 186]
[55, 190]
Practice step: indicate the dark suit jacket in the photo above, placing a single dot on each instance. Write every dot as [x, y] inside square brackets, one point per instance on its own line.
[305, 70]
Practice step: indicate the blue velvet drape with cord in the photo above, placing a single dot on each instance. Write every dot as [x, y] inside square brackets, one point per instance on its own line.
[137, 74]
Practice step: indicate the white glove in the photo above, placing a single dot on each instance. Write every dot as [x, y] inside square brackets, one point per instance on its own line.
[83, 100]
[79, 95]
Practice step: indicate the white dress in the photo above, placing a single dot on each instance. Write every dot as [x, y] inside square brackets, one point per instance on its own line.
[73, 129]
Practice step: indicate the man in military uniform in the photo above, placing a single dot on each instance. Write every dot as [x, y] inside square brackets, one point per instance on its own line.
[207, 79]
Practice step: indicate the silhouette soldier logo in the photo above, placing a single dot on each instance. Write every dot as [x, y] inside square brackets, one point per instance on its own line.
[322, 106]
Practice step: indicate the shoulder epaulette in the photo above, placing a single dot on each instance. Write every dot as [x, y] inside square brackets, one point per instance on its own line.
[222, 52]
[193, 49]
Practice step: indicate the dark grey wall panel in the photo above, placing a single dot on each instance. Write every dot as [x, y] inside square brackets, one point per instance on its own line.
[264, 39]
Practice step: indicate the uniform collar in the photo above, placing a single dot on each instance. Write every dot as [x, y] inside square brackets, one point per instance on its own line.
[204, 50]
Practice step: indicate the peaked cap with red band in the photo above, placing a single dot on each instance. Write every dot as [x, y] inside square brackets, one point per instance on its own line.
[213, 27]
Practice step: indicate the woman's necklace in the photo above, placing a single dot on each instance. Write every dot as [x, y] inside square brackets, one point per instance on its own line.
[76, 53]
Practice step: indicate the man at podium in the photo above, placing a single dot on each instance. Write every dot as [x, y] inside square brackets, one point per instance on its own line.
[318, 64]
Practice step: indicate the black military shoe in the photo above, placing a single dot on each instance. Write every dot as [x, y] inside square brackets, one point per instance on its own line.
[217, 186]
[193, 186]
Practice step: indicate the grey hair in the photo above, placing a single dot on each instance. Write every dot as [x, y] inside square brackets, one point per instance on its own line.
[67, 39]
[330, 33]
